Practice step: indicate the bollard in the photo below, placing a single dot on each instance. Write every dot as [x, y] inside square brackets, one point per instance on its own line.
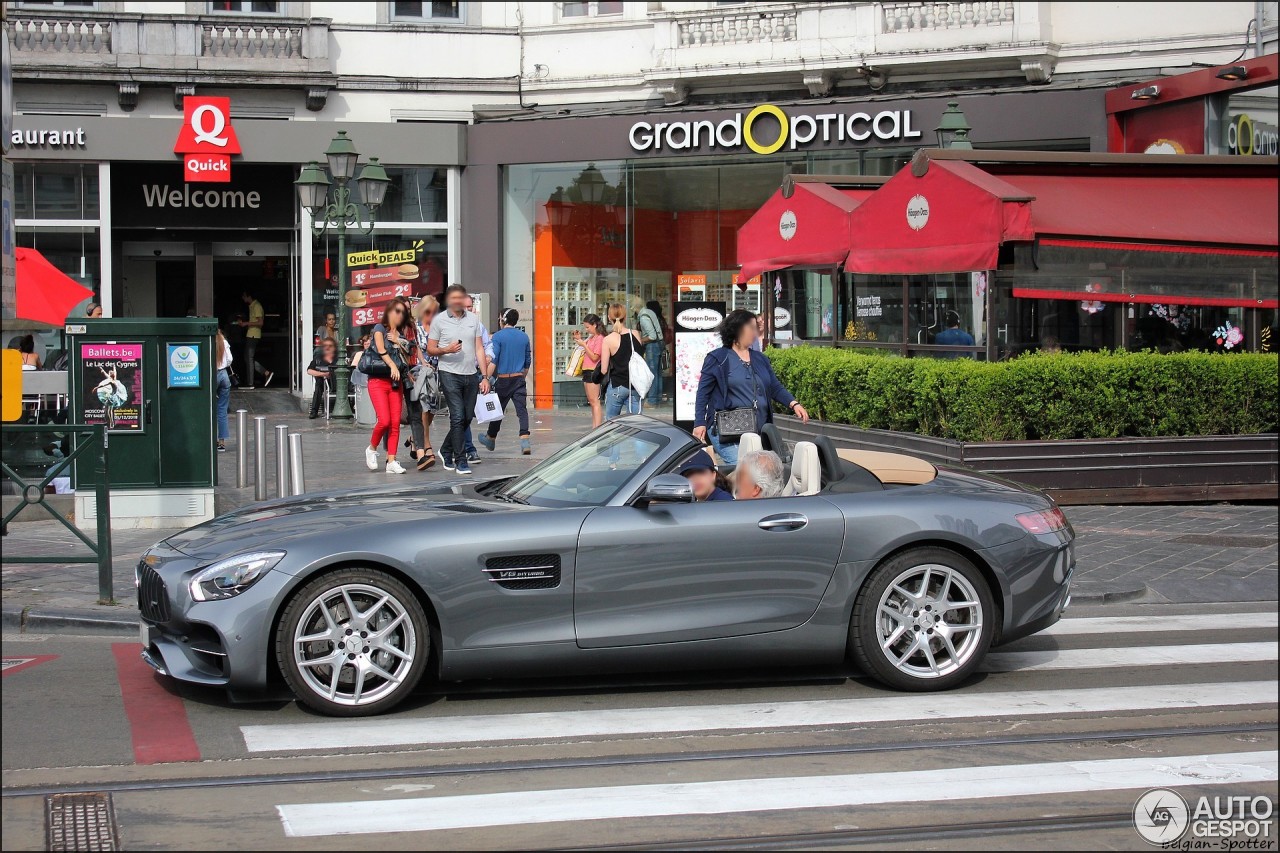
[259, 457]
[282, 461]
[296, 477]
[242, 449]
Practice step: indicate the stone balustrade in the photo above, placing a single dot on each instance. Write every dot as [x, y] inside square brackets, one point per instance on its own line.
[728, 26]
[915, 17]
[47, 35]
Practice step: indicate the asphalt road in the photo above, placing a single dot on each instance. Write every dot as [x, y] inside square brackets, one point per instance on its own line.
[1049, 748]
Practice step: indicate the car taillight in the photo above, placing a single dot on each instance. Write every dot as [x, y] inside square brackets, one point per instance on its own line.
[1045, 521]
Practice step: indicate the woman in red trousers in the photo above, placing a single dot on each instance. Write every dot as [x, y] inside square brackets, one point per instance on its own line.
[389, 342]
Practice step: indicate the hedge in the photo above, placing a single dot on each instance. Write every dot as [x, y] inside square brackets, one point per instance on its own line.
[1037, 396]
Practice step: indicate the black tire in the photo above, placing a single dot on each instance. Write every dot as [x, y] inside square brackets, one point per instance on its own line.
[396, 629]
[902, 665]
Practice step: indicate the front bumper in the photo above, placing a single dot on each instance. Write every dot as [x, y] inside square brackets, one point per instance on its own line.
[216, 643]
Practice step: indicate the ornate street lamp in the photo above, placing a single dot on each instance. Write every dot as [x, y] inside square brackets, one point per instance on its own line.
[340, 214]
[559, 210]
[953, 129]
[591, 184]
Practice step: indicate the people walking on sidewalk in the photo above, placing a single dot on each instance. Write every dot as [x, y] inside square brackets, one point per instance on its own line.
[384, 391]
[473, 455]
[738, 388]
[422, 395]
[512, 359]
[591, 378]
[455, 340]
[615, 364]
[649, 322]
[321, 369]
[252, 337]
[222, 350]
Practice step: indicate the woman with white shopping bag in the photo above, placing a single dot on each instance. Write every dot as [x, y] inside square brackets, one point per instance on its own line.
[622, 362]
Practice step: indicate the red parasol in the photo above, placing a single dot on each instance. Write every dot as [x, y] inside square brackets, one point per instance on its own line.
[46, 295]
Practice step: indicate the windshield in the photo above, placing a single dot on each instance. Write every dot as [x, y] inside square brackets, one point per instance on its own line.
[589, 472]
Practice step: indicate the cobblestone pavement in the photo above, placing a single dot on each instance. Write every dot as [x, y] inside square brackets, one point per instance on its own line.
[1197, 553]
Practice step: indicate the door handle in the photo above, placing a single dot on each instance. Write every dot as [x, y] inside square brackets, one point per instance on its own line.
[787, 521]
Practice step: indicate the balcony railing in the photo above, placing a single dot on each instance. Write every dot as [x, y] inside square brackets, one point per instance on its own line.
[906, 17]
[58, 40]
[725, 26]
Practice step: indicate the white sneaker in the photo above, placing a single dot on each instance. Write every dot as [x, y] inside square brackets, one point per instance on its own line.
[394, 467]
[371, 458]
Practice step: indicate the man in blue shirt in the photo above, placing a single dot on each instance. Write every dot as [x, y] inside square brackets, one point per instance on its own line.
[510, 362]
[700, 471]
[954, 336]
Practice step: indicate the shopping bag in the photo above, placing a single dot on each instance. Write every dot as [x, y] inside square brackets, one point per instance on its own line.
[488, 408]
[639, 373]
[574, 367]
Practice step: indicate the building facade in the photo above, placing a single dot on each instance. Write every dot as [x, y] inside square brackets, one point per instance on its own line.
[553, 156]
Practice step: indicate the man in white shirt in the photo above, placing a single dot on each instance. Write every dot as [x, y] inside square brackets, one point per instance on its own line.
[455, 339]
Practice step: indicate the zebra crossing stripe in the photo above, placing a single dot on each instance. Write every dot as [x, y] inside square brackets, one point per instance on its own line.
[1162, 624]
[736, 796]
[404, 730]
[1132, 656]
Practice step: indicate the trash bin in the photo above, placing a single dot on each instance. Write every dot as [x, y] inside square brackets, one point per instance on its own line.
[365, 415]
[152, 382]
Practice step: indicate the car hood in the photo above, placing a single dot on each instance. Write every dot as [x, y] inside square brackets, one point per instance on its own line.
[274, 523]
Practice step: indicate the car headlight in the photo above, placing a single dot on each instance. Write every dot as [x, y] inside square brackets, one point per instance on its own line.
[232, 576]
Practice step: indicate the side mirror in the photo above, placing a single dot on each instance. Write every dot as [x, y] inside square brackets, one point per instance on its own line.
[668, 488]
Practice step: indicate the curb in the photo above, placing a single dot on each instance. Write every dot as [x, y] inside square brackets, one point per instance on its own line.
[1111, 597]
[66, 620]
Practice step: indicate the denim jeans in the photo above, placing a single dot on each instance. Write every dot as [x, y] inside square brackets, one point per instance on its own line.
[727, 452]
[224, 403]
[512, 390]
[653, 358]
[460, 390]
[621, 399]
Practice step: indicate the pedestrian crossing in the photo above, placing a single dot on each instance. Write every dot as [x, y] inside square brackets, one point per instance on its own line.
[742, 796]
[753, 790]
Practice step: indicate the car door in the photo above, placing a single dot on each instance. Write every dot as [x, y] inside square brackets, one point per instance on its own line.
[677, 572]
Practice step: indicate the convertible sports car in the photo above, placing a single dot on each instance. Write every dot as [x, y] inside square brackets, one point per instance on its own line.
[598, 560]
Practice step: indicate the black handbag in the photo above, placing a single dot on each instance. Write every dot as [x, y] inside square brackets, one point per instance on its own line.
[372, 365]
[732, 424]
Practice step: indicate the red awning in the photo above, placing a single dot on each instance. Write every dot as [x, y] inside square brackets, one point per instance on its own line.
[809, 228]
[952, 218]
[1218, 211]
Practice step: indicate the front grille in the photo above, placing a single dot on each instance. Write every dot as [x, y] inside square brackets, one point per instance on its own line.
[524, 571]
[153, 600]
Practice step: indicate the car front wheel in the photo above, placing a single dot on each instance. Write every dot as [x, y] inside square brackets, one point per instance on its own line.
[923, 620]
[353, 642]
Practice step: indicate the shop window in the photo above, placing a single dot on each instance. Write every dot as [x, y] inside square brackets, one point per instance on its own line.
[66, 191]
[415, 194]
[58, 4]
[257, 7]
[426, 11]
[589, 10]
[73, 249]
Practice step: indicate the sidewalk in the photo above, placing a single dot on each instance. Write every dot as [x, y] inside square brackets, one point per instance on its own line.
[1216, 552]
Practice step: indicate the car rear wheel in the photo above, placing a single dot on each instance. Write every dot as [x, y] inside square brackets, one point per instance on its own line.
[923, 620]
[353, 642]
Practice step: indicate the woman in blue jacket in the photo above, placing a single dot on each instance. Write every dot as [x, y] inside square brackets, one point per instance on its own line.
[735, 377]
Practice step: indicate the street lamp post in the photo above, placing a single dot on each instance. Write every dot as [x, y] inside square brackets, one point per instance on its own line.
[953, 129]
[340, 214]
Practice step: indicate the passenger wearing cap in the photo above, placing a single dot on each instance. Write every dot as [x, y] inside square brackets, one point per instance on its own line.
[700, 471]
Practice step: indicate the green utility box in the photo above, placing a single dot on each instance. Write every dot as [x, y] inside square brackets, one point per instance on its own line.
[152, 381]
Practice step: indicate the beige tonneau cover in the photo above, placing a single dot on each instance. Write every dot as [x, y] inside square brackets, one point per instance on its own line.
[896, 469]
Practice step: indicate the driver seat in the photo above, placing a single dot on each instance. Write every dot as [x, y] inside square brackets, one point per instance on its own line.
[749, 442]
[806, 470]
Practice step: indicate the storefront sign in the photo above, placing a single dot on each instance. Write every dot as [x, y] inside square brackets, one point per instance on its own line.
[695, 336]
[792, 131]
[869, 306]
[47, 138]
[207, 140]
[918, 212]
[381, 259]
[153, 195]
[184, 365]
[737, 279]
[781, 317]
[112, 381]
[1248, 137]
[787, 224]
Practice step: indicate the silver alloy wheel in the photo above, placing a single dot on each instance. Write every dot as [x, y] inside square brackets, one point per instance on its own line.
[354, 644]
[929, 621]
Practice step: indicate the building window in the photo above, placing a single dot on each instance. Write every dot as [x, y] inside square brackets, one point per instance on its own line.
[426, 11]
[259, 7]
[589, 10]
[72, 4]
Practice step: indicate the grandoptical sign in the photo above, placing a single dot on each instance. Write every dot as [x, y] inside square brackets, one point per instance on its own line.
[769, 128]
[207, 140]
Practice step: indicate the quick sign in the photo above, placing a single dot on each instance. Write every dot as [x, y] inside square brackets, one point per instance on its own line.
[381, 259]
[207, 140]
[792, 131]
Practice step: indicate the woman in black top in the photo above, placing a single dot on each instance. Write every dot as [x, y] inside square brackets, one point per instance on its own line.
[615, 361]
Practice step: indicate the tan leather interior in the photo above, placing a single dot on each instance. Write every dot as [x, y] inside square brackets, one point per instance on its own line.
[891, 468]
